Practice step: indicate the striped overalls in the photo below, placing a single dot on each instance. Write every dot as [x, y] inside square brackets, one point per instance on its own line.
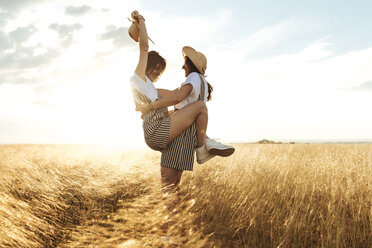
[156, 124]
[179, 154]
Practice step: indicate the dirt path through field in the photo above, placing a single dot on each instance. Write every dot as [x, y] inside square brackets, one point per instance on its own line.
[139, 222]
[134, 224]
[143, 221]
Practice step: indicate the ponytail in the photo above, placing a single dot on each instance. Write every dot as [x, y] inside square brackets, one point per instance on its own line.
[210, 89]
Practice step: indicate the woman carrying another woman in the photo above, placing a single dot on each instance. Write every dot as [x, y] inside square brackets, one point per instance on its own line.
[174, 136]
[159, 128]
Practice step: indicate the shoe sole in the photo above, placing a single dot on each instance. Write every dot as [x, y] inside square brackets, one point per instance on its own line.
[223, 153]
[202, 161]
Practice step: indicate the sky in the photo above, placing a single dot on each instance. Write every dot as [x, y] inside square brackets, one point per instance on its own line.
[281, 70]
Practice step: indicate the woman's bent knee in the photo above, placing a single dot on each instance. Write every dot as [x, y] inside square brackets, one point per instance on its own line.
[201, 104]
[201, 107]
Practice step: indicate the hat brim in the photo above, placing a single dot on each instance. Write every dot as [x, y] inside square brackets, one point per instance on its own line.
[134, 32]
[189, 52]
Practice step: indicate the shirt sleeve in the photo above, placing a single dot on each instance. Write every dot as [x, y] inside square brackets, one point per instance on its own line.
[192, 79]
[136, 81]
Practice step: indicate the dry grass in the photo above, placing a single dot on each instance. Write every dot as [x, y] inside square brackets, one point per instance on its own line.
[46, 190]
[263, 196]
[287, 196]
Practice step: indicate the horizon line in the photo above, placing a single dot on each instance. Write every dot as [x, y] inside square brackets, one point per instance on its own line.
[142, 143]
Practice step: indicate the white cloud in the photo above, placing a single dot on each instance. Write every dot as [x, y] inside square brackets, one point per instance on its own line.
[262, 39]
[78, 10]
[118, 35]
[16, 4]
[364, 87]
[66, 32]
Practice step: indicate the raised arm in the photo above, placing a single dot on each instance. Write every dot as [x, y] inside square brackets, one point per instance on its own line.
[143, 46]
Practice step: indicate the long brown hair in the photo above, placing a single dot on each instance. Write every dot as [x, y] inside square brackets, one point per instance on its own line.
[193, 68]
[154, 58]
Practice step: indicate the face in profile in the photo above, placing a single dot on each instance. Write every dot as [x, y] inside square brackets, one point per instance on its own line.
[186, 68]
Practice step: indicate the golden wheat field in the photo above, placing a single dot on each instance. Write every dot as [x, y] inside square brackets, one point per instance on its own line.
[287, 195]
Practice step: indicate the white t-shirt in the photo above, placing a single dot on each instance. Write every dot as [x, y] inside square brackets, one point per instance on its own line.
[146, 88]
[194, 79]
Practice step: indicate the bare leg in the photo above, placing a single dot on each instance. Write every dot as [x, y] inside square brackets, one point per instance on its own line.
[179, 175]
[195, 112]
[170, 178]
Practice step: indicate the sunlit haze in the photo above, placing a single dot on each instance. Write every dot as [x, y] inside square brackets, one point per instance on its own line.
[281, 70]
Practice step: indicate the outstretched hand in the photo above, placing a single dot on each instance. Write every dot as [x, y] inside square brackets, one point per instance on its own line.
[136, 16]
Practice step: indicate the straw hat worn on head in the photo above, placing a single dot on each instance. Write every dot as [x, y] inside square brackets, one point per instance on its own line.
[197, 58]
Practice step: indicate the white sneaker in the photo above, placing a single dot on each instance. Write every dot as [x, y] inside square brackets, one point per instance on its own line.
[217, 148]
[202, 155]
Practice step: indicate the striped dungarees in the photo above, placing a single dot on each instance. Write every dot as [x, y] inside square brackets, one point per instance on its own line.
[156, 125]
[179, 154]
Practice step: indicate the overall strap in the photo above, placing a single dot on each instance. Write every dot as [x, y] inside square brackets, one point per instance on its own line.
[202, 89]
[140, 96]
